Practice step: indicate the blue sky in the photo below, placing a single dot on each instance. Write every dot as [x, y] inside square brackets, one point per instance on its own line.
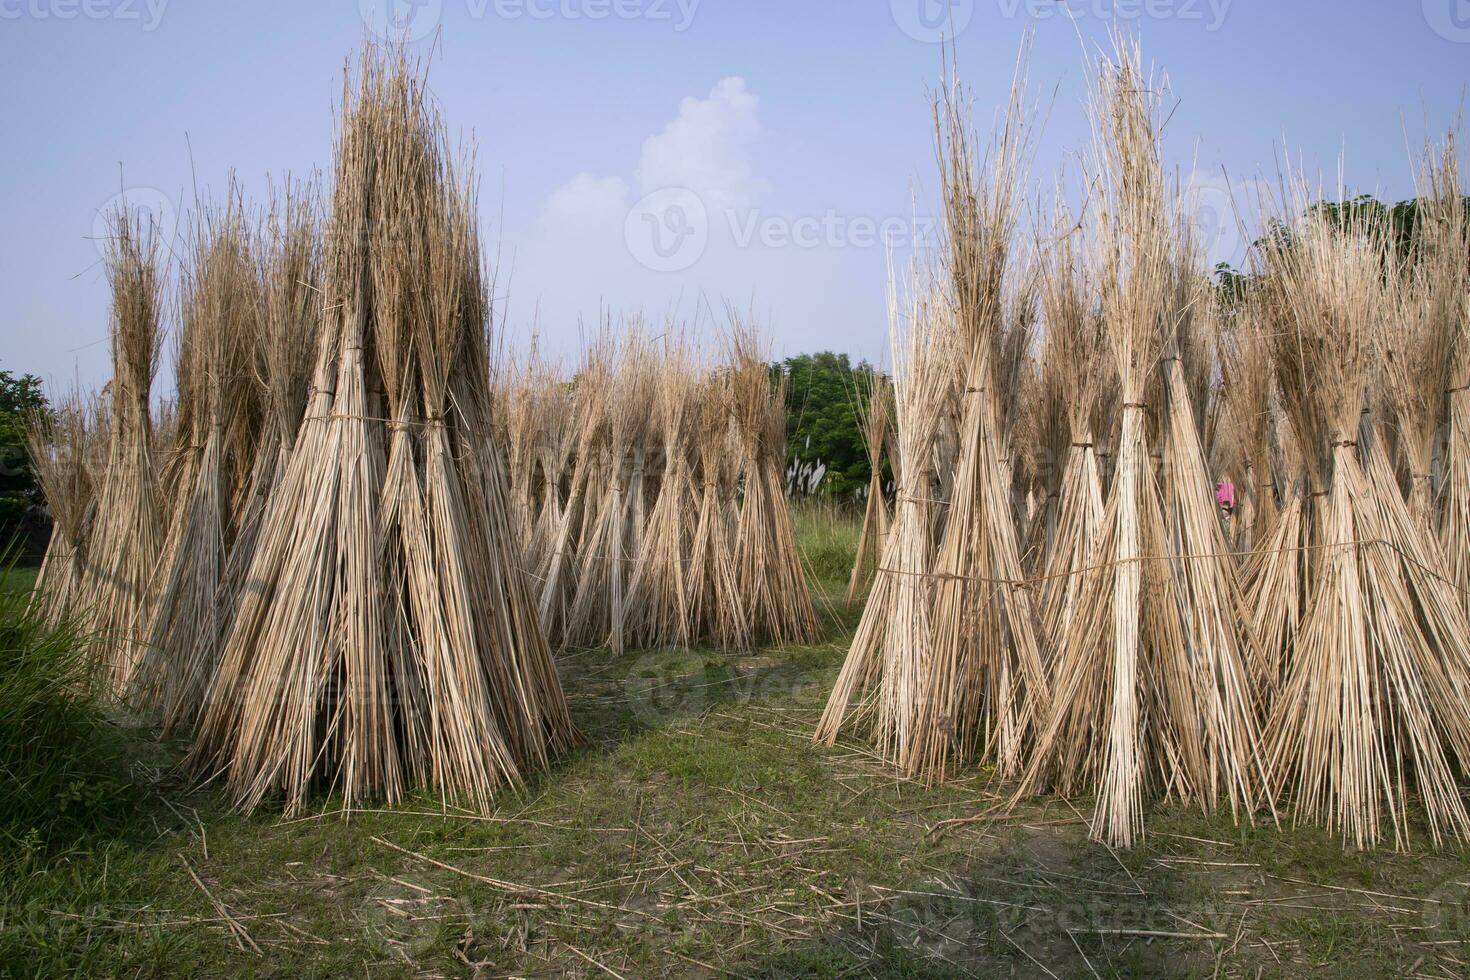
[780, 141]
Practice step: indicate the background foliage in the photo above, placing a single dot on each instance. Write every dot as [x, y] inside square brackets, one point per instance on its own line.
[822, 393]
[20, 397]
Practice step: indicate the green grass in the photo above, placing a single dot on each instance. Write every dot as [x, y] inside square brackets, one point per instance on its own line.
[15, 578]
[63, 766]
[698, 832]
[828, 538]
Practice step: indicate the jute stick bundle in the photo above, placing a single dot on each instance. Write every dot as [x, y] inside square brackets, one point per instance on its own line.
[388, 640]
[986, 685]
[127, 534]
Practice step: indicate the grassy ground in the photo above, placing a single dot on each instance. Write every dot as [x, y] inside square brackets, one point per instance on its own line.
[17, 579]
[699, 833]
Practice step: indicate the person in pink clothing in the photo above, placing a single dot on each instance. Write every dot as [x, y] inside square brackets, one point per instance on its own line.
[1225, 497]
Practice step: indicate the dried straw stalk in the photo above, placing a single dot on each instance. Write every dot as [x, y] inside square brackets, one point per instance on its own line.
[873, 406]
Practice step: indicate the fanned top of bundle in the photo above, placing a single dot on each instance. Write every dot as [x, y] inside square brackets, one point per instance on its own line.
[1417, 352]
[1447, 242]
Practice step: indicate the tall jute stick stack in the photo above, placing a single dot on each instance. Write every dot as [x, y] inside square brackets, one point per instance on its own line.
[285, 350]
[1249, 417]
[611, 541]
[1446, 219]
[62, 445]
[1077, 370]
[127, 534]
[718, 611]
[986, 684]
[1372, 698]
[1151, 696]
[660, 590]
[219, 307]
[768, 565]
[387, 640]
[881, 679]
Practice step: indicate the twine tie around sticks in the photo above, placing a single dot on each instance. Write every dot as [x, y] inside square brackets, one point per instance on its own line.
[1033, 581]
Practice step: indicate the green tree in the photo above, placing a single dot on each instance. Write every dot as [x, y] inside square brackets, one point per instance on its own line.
[1402, 220]
[20, 398]
[822, 422]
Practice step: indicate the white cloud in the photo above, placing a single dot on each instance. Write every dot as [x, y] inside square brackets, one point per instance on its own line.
[707, 148]
[586, 200]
